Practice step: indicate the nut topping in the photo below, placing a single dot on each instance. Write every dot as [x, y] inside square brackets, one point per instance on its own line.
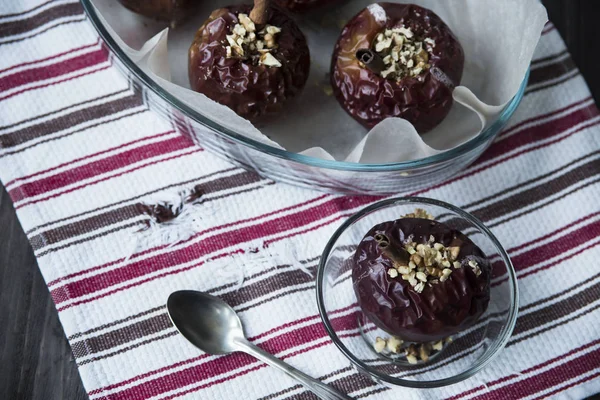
[428, 263]
[247, 22]
[394, 344]
[453, 252]
[419, 213]
[379, 344]
[402, 52]
[268, 60]
[245, 43]
[411, 359]
[475, 267]
[414, 352]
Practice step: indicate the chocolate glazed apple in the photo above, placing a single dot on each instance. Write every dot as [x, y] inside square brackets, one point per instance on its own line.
[396, 60]
[420, 280]
[251, 60]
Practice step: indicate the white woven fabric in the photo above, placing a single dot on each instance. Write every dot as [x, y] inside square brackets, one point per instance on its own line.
[80, 151]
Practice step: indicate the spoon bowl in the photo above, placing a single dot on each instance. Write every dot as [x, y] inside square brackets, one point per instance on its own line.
[206, 321]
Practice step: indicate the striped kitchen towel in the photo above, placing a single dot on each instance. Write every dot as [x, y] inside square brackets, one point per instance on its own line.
[80, 152]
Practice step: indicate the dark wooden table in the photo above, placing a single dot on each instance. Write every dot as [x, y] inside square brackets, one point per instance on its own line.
[35, 358]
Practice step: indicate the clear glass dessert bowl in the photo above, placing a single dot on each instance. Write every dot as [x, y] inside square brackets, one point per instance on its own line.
[286, 166]
[448, 361]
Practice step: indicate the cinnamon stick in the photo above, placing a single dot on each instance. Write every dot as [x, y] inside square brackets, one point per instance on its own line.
[371, 60]
[260, 12]
[399, 257]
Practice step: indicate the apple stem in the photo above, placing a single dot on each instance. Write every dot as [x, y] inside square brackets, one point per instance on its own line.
[371, 60]
[259, 14]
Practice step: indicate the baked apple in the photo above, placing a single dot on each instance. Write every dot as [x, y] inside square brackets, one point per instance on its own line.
[251, 60]
[420, 280]
[396, 60]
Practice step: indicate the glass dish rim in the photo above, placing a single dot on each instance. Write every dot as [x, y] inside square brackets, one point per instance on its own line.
[464, 148]
[504, 335]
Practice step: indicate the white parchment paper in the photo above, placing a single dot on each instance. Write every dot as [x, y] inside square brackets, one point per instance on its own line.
[498, 37]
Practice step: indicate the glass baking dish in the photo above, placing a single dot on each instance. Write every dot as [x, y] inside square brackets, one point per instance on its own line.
[297, 169]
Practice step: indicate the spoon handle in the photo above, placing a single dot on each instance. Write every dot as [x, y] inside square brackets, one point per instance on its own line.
[320, 389]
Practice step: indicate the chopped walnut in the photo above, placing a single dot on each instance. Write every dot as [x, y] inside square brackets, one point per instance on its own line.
[414, 352]
[445, 274]
[394, 344]
[424, 351]
[422, 276]
[453, 252]
[404, 270]
[430, 263]
[245, 43]
[475, 267]
[270, 61]
[247, 22]
[419, 287]
[379, 344]
[419, 213]
[403, 53]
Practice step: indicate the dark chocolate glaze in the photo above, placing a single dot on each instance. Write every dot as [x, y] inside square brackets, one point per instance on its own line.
[424, 100]
[250, 90]
[166, 10]
[442, 309]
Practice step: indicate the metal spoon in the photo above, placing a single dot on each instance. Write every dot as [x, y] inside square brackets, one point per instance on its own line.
[212, 325]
